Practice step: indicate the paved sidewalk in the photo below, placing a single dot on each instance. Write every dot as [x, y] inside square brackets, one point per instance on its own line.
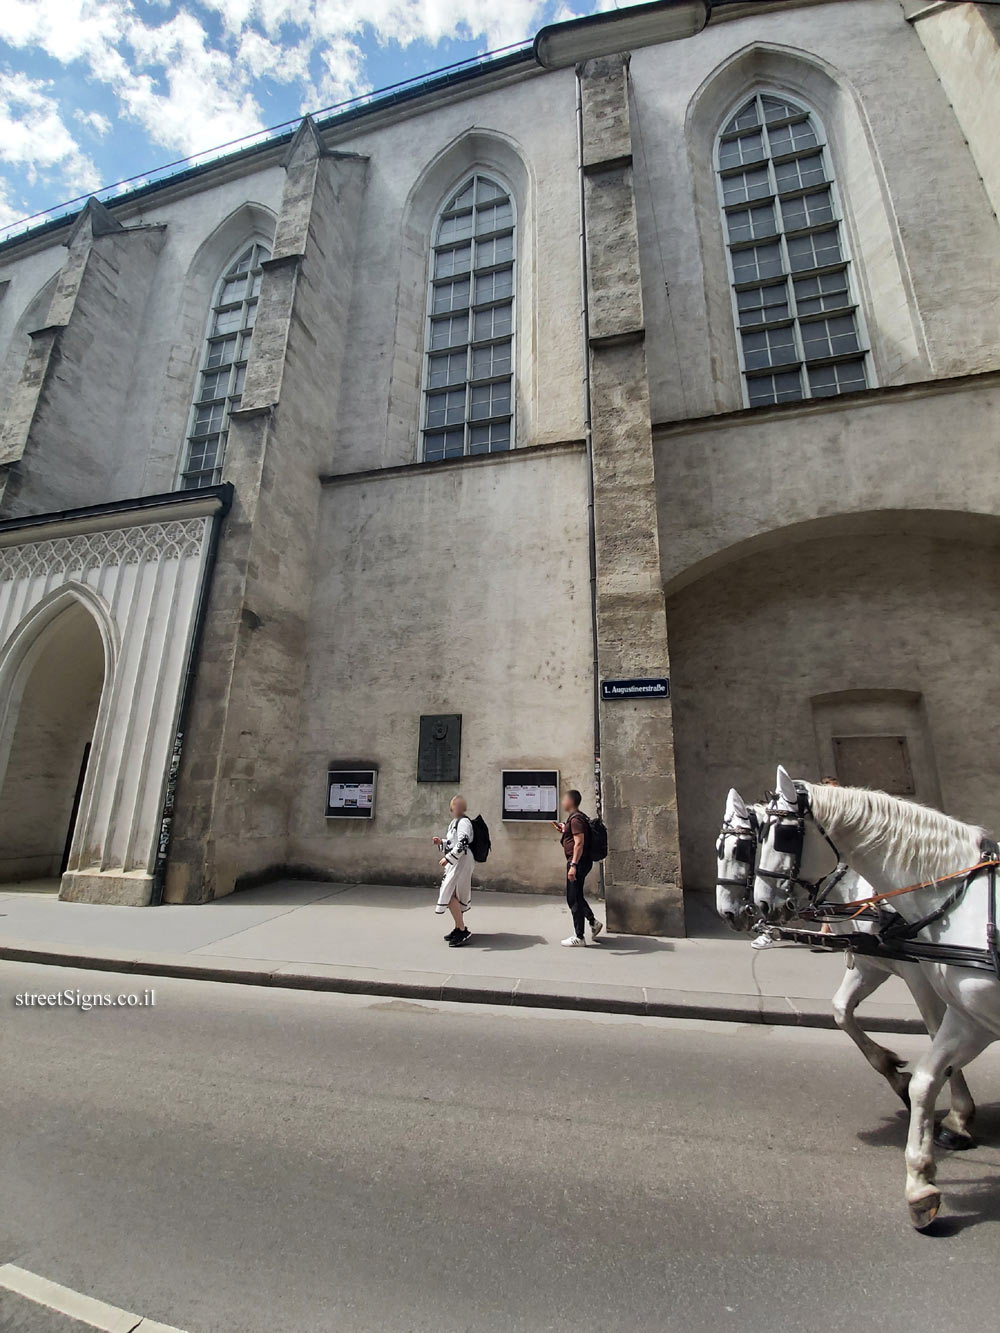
[386, 940]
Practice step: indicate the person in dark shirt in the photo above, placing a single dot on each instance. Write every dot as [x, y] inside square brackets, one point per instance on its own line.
[574, 831]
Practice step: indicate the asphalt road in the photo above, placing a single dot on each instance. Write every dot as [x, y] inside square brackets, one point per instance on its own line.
[238, 1160]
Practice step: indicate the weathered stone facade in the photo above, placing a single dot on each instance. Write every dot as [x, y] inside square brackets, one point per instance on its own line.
[806, 572]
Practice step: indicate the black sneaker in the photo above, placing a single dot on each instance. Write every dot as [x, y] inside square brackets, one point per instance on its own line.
[451, 934]
[459, 938]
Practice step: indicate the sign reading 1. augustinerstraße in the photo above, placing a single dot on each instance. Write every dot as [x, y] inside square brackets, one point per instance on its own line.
[645, 687]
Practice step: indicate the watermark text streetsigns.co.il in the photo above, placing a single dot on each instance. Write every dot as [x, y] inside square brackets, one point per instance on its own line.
[84, 1001]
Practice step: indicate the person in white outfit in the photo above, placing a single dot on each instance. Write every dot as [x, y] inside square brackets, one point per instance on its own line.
[455, 895]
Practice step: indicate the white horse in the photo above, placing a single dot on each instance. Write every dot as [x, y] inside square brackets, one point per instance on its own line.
[948, 879]
[736, 852]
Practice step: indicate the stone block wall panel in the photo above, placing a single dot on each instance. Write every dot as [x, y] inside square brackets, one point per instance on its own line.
[642, 872]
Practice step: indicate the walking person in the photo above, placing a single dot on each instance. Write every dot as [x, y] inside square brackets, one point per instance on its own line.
[455, 895]
[575, 834]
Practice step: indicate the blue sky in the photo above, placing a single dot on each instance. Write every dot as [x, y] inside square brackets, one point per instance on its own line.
[95, 91]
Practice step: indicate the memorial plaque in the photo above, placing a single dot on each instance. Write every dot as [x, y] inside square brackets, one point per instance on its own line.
[439, 758]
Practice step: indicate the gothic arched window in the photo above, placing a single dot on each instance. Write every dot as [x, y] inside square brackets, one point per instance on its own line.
[223, 367]
[468, 405]
[797, 316]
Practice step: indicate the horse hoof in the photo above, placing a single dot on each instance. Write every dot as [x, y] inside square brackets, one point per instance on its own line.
[923, 1211]
[950, 1138]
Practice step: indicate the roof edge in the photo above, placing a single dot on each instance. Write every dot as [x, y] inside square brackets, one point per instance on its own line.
[379, 104]
[559, 45]
[204, 501]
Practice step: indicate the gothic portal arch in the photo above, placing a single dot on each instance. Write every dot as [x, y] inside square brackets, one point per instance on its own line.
[53, 683]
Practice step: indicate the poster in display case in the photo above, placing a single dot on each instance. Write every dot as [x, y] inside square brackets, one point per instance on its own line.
[350, 793]
[530, 795]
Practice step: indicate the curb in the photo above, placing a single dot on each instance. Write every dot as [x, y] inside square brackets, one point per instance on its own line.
[641, 1001]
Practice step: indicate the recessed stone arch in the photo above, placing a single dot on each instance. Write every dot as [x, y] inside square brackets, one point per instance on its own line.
[244, 225]
[980, 529]
[899, 346]
[495, 154]
[870, 625]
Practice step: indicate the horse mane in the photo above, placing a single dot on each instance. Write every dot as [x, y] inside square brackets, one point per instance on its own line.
[930, 843]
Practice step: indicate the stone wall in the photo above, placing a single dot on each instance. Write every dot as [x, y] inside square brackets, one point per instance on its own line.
[235, 786]
[526, 135]
[66, 406]
[962, 42]
[907, 181]
[447, 588]
[736, 480]
[642, 872]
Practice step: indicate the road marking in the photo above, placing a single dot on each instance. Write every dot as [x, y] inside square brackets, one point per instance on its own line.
[73, 1304]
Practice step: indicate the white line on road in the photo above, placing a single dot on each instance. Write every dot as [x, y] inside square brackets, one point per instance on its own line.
[73, 1304]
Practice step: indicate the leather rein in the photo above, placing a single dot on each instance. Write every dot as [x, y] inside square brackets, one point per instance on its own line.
[894, 937]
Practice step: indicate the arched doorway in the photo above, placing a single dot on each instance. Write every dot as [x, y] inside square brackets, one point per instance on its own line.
[47, 733]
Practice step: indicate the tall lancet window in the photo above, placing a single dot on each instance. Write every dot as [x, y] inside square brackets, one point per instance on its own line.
[223, 367]
[468, 403]
[797, 316]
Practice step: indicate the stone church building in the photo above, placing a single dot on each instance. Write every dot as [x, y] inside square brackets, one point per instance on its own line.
[668, 349]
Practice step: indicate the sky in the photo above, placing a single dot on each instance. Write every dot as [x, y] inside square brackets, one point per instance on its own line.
[96, 91]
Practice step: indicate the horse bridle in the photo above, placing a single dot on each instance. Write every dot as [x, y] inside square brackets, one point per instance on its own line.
[747, 840]
[789, 837]
[895, 938]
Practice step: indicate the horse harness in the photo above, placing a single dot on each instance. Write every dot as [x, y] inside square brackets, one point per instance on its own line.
[745, 851]
[894, 937]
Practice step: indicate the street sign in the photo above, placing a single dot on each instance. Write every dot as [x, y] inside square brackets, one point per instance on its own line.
[644, 687]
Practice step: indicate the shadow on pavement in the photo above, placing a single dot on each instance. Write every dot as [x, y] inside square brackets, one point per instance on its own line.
[624, 946]
[967, 1203]
[979, 1202]
[502, 941]
[891, 1133]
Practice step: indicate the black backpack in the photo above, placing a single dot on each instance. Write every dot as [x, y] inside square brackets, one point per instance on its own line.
[598, 838]
[481, 839]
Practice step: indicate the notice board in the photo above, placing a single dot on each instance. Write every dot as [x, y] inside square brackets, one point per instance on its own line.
[350, 793]
[530, 794]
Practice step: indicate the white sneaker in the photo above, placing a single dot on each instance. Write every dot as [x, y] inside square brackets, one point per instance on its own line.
[763, 941]
[596, 929]
[573, 943]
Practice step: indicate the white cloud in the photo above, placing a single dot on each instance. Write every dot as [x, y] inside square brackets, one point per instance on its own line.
[35, 138]
[94, 121]
[9, 211]
[199, 76]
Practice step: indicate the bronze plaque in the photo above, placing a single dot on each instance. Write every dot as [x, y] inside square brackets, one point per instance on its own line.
[880, 762]
[439, 758]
